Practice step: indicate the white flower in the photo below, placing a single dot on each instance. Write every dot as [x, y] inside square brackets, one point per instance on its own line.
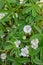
[34, 43]
[24, 51]
[17, 43]
[24, 37]
[3, 56]
[2, 15]
[34, 46]
[27, 29]
[21, 1]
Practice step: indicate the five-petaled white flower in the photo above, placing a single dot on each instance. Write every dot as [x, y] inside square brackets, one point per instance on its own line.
[24, 52]
[3, 56]
[17, 43]
[2, 15]
[21, 1]
[34, 43]
[27, 29]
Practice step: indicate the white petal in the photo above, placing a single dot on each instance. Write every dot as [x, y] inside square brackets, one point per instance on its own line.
[34, 41]
[17, 43]
[25, 51]
[27, 47]
[21, 1]
[34, 46]
[3, 56]
[27, 29]
[23, 54]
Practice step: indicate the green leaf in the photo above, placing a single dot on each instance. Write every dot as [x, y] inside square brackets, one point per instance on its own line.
[9, 6]
[34, 52]
[26, 10]
[34, 13]
[40, 37]
[41, 55]
[5, 18]
[1, 3]
[38, 29]
[37, 61]
[18, 60]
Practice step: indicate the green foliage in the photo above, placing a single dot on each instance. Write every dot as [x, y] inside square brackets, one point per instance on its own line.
[11, 29]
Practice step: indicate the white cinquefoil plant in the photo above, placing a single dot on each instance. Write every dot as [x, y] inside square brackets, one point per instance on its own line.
[21, 32]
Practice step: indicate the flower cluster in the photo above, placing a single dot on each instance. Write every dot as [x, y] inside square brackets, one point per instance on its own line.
[24, 51]
[34, 43]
